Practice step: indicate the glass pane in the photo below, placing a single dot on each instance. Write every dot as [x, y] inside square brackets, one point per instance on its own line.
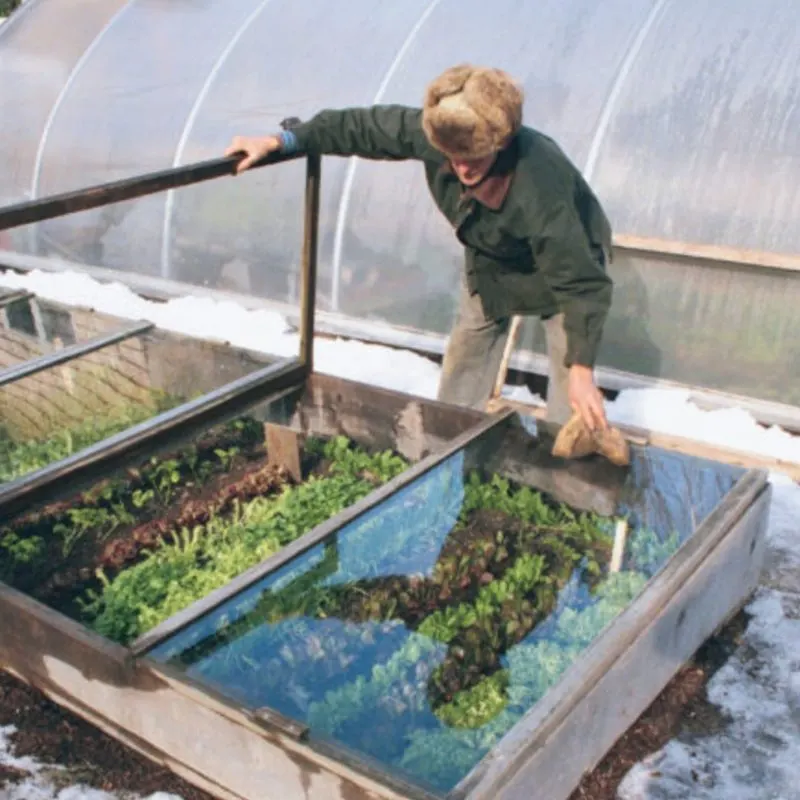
[418, 634]
[53, 414]
[31, 328]
[41, 47]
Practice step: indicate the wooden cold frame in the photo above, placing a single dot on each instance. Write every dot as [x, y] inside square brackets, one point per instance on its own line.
[206, 738]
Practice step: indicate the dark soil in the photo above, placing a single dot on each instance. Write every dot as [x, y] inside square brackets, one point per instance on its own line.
[55, 736]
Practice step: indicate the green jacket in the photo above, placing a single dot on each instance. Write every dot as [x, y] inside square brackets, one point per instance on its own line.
[534, 233]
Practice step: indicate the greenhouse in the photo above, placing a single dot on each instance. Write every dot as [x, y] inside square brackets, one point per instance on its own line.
[262, 574]
[673, 126]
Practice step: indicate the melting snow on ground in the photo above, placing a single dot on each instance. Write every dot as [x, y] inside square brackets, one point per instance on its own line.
[48, 782]
[756, 755]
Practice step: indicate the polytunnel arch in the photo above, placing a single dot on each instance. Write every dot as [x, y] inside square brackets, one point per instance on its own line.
[684, 117]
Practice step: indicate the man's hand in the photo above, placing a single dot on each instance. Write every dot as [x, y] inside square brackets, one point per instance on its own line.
[254, 148]
[585, 397]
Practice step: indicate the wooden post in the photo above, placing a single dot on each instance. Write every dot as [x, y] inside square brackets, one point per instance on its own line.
[502, 372]
[283, 449]
[618, 553]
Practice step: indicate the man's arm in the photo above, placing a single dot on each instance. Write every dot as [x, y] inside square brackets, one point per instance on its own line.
[382, 132]
[579, 282]
[385, 132]
[583, 292]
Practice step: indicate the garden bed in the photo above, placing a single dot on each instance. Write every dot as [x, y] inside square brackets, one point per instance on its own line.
[136, 548]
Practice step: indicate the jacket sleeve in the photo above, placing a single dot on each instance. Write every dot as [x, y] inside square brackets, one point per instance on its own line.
[382, 132]
[576, 276]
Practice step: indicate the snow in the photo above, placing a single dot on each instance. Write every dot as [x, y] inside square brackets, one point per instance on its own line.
[756, 753]
[51, 782]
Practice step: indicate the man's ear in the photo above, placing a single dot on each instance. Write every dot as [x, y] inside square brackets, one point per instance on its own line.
[290, 122]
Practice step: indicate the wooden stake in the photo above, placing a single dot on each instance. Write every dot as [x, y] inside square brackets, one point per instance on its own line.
[283, 449]
[618, 553]
[511, 343]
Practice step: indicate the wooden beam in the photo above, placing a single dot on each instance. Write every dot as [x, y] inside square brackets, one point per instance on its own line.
[708, 252]
[680, 444]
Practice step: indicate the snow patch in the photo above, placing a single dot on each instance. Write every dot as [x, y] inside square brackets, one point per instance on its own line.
[48, 782]
[757, 755]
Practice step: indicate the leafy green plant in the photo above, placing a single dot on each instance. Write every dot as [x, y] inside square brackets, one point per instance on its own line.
[192, 564]
[21, 458]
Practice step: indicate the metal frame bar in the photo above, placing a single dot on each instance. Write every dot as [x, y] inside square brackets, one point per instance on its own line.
[14, 297]
[153, 435]
[34, 365]
[127, 189]
[308, 285]
[329, 528]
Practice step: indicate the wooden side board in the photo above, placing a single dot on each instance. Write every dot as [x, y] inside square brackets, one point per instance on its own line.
[567, 734]
[415, 427]
[679, 444]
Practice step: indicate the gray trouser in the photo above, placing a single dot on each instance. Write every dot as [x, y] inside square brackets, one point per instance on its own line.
[474, 353]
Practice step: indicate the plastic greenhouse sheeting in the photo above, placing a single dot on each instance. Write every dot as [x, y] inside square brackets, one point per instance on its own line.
[682, 115]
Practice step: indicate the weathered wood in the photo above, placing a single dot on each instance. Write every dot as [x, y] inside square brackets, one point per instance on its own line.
[708, 253]
[511, 342]
[207, 740]
[570, 730]
[415, 427]
[677, 444]
[283, 449]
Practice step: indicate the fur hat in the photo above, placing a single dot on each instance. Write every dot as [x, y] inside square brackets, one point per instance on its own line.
[472, 112]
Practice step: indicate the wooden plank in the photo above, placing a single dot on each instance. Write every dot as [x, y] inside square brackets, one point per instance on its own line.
[209, 742]
[680, 444]
[705, 252]
[414, 427]
[283, 449]
[570, 730]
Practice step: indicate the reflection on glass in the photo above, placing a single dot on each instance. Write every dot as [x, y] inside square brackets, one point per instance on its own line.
[422, 631]
[31, 327]
[53, 414]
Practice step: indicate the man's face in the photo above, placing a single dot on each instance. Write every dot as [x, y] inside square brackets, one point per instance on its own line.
[472, 171]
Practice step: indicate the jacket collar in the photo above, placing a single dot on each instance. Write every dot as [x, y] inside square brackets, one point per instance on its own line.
[493, 189]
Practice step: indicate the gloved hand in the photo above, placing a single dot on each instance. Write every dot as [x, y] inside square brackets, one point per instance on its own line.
[575, 440]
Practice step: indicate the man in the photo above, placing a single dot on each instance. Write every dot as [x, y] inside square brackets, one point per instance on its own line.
[535, 236]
